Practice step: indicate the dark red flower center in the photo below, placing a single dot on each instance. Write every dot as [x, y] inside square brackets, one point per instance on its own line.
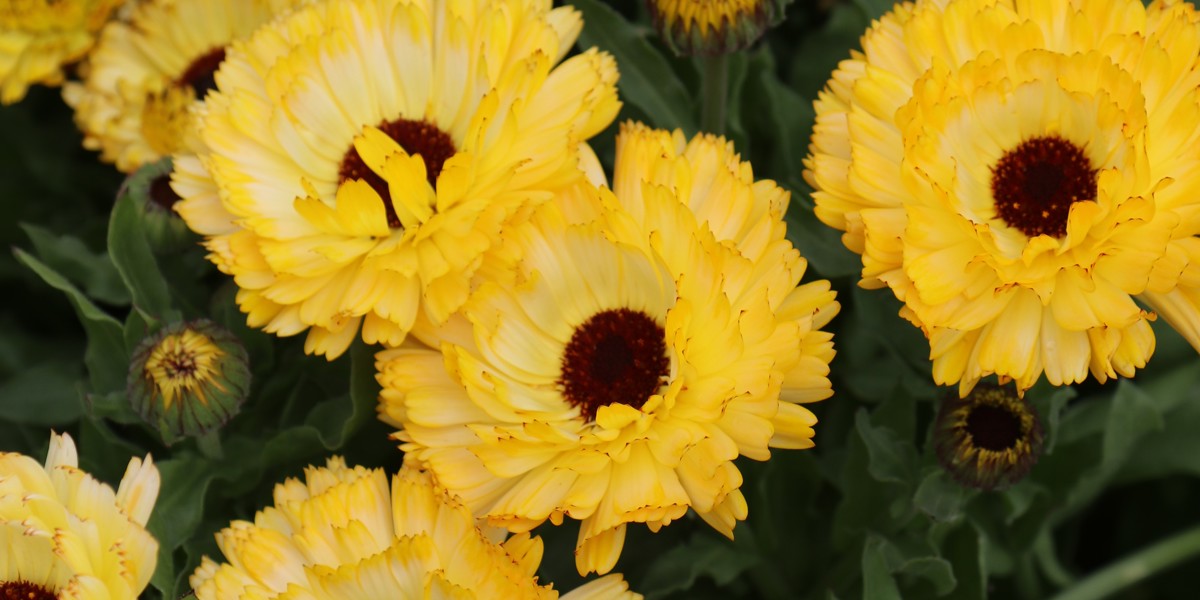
[200, 74]
[994, 427]
[1035, 184]
[433, 145]
[616, 356]
[24, 590]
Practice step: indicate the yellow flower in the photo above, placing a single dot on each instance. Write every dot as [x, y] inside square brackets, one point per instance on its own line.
[362, 156]
[146, 73]
[65, 535]
[616, 374]
[1018, 173]
[37, 37]
[342, 534]
[708, 27]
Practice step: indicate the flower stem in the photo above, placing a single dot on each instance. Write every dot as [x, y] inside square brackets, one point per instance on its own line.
[209, 444]
[715, 84]
[1136, 567]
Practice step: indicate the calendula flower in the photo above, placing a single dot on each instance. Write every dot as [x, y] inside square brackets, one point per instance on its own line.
[343, 534]
[362, 155]
[707, 27]
[188, 378]
[1018, 173]
[65, 535]
[134, 105]
[988, 439]
[615, 374]
[37, 37]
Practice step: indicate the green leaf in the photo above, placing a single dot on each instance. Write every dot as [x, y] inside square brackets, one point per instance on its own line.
[940, 497]
[964, 548]
[934, 569]
[1050, 408]
[113, 407]
[873, 9]
[1133, 416]
[878, 583]
[177, 513]
[135, 261]
[338, 420]
[702, 556]
[891, 459]
[43, 394]
[69, 256]
[106, 357]
[782, 120]
[818, 242]
[647, 79]
[818, 54]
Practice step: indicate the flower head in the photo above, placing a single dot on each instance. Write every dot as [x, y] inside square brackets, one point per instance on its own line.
[988, 439]
[135, 103]
[362, 156]
[65, 535]
[616, 373]
[708, 27]
[1018, 173]
[343, 534]
[37, 37]
[188, 378]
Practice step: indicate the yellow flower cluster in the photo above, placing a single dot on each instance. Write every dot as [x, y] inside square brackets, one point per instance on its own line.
[417, 173]
[1020, 175]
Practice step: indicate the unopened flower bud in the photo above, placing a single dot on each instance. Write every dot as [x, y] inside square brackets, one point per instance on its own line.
[188, 378]
[150, 187]
[990, 439]
[711, 27]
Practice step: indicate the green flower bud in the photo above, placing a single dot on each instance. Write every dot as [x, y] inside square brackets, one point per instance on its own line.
[150, 187]
[188, 378]
[990, 439]
[712, 27]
